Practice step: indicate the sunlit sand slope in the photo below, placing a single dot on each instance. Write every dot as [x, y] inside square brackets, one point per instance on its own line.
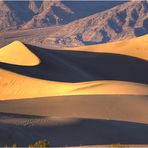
[136, 47]
[15, 86]
[18, 54]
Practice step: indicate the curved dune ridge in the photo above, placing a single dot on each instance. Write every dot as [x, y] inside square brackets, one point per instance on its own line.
[135, 47]
[17, 53]
[18, 86]
[15, 86]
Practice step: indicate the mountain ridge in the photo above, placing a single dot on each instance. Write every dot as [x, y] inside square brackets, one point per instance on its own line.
[32, 14]
[118, 21]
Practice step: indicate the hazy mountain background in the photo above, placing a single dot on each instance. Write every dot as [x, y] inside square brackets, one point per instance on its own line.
[76, 22]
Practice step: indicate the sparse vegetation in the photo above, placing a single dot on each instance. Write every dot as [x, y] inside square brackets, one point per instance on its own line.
[40, 143]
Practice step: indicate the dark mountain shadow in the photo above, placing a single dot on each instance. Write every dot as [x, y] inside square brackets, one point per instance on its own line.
[135, 16]
[114, 25]
[105, 39]
[80, 132]
[85, 8]
[142, 30]
[64, 16]
[21, 10]
[77, 66]
[104, 34]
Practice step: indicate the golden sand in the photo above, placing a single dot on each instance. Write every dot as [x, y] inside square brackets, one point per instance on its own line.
[136, 47]
[16, 86]
[18, 54]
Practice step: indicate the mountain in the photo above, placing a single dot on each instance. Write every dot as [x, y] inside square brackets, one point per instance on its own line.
[32, 14]
[121, 22]
[112, 21]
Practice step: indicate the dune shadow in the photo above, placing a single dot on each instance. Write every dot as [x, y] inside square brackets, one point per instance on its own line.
[14, 115]
[81, 132]
[78, 66]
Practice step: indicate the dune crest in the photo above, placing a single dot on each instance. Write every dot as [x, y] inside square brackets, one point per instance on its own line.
[135, 47]
[16, 86]
[46, 78]
[18, 54]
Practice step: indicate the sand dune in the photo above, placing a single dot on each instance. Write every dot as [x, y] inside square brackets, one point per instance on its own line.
[131, 108]
[100, 97]
[40, 72]
[75, 120]
[18, 54]
[15, 86]
[76, 66]
[136, 47]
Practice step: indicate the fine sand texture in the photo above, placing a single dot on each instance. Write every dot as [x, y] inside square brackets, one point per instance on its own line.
[75, 120]
[45, 72]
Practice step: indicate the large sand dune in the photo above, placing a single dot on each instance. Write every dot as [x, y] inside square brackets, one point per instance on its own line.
[100, 94]
[18, 54]
[136, 47]
[106, 73]
[15, 86]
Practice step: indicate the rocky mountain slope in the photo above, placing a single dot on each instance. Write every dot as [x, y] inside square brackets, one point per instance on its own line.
[113, 21]
[121, 22]
[32, 14]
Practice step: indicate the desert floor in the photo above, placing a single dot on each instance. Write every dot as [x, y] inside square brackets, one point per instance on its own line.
[75, 120]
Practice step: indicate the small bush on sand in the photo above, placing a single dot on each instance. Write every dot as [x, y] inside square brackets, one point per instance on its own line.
[40, 143]
[13, 146]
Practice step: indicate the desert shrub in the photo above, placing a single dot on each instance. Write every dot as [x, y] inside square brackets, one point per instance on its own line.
[13, 146]
[40, 143]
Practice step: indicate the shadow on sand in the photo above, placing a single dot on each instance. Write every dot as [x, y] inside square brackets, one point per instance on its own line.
[77, 66]
[80, 132]
[4, 115]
